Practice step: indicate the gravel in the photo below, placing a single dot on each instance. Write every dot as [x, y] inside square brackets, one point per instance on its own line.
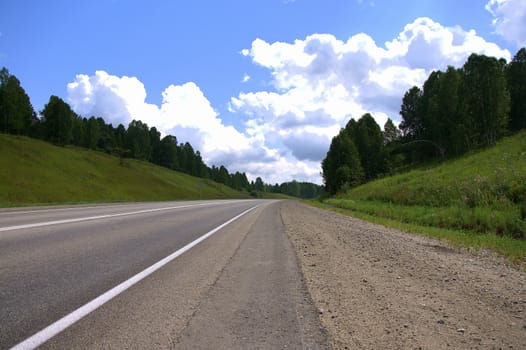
[379, 288]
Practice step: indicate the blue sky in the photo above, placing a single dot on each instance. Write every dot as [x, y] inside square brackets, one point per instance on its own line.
[260, 86]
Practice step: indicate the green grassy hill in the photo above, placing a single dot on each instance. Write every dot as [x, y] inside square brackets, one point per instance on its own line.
[476, 200]
[36, 172]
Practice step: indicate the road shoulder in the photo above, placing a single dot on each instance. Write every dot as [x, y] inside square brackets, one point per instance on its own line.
[260, 300]
[378, 288]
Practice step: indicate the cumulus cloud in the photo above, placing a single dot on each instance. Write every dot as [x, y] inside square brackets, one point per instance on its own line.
[509, 19]
[321, 82]
[117, 99]
[317, 84]
[184, 112]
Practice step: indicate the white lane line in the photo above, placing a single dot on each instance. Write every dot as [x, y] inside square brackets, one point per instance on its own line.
[98, 217]
[50, 331]
[17, 211]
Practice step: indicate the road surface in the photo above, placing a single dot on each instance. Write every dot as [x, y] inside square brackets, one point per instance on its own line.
[239, 288]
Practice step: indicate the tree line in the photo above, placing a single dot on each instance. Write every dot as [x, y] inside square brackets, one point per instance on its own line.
[60, 125]
[454, 112]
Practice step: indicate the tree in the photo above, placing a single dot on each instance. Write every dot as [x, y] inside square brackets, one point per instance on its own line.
[391, 132]
[516, 74]
[342, 164]
[452, 122]
[240, 181]
[168, 152]
[368, 139]
[92, 133]
[259, 185]
[223, 176]
[411, 124]
[487, 98]
[138, 140]
[201, 170]
[187, 159]
[16, 112]
[57, 121]
[106, 139]
[78, 132]
[155, 145]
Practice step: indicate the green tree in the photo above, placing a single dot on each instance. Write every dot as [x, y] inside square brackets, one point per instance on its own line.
[201, 170]
[16, 111]
[516, 74]
[342, 165]
[259, 185]
[187, 160]
[391, 132]
[106, 136]
[411, 125]
[168, 153]
[120, 136]
[223, 176]
[57, 120]
[155, 144]
[487, 98]
[92, 133]
[368, 139]
[452, 122]
[78, 132]
[138, 140]
[240, 181]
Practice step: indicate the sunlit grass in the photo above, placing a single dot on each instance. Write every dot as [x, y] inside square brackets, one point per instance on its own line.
[478, 200]
[35, 172]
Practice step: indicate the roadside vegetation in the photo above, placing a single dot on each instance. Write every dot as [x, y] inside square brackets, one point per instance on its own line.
[478, 200]
[454, 168]
[36, 172]
[136, 144]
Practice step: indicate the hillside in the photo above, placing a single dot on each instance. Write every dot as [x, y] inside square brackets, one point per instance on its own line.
[36, 172]
[481, 196]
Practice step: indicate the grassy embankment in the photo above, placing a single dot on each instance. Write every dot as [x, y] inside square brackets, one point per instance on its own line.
[33, 172]
[475, 201]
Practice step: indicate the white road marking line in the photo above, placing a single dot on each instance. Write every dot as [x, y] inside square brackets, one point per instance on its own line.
[98, 217]
[44, 210]
[50, 331]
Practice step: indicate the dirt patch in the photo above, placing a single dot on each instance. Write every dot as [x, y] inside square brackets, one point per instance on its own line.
[379, 288]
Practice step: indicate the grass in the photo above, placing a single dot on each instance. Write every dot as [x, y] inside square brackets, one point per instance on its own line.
[33, 172]
[475, 201]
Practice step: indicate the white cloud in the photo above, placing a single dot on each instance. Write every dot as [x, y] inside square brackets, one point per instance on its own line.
[117, 99]
[317, 85]
[322, 81]
[510, 19]
[246, 78]
[185, 112]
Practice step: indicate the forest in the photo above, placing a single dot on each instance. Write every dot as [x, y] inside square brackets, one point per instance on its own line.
[454, 112]
[60, 125]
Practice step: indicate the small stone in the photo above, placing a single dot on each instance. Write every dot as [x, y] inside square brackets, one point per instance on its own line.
[441, 322]
[461, 330]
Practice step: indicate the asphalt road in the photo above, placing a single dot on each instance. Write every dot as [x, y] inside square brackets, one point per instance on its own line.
[240, 287]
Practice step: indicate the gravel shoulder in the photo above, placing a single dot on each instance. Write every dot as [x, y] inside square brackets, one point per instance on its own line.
[379, 288]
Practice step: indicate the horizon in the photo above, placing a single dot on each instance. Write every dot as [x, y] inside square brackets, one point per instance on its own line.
[261, 94]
